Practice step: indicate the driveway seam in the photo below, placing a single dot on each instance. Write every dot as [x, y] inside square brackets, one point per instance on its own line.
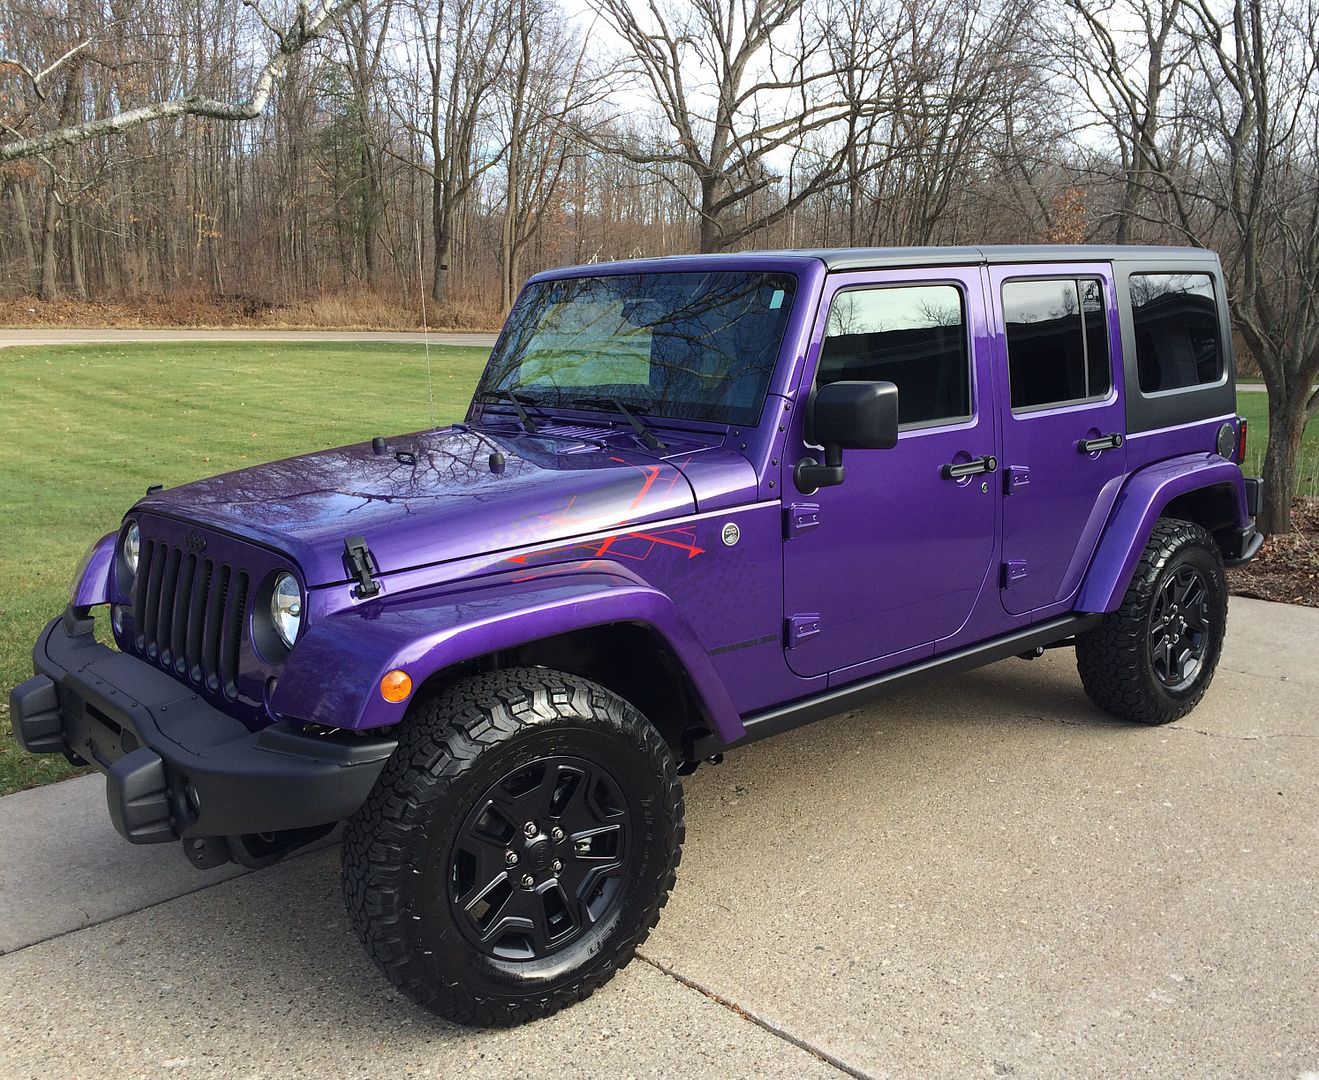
[158, 903]
[1246, 738]
[760, 1022]
[117, 917]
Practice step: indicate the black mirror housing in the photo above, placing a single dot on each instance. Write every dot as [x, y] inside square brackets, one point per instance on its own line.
[850, 414]
[856, 415]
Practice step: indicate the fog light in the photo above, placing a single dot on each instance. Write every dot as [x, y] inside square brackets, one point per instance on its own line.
[117, 619]
[396, 686]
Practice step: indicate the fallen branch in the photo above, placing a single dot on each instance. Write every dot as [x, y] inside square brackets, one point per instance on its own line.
[308, 26]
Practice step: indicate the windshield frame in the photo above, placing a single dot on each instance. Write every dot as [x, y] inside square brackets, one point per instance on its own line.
[680, 414]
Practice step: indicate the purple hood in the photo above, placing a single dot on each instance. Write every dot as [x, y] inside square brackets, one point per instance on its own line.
[436, 496]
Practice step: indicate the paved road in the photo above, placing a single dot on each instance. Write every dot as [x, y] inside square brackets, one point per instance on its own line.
[107, 337]
[987, 878]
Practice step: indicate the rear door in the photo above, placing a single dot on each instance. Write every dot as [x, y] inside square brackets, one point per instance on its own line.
[1064, 453]
[880, 567]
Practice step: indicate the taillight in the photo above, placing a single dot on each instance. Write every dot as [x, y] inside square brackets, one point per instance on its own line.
[1241, 440]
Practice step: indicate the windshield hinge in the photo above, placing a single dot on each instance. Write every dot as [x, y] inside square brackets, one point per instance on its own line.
[361, 565]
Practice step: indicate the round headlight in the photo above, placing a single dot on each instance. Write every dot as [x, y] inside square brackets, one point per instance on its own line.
[286, 608]
[131, 543]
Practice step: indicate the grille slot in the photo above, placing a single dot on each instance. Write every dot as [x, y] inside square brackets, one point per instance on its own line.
[189, 613]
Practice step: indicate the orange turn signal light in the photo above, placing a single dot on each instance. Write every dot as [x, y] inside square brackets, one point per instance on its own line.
[396, 686]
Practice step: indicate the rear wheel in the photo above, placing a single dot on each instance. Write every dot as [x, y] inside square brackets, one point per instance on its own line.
[1152, 660]
[517, 848]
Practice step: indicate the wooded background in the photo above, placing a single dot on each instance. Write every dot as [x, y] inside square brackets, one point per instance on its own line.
[442, 150]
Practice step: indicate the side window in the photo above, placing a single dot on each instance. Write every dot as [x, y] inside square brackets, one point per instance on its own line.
[1057, 333]
[911, 335]
[1175, 318]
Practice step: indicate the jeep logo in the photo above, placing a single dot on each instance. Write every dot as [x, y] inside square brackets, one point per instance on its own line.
[195, 543]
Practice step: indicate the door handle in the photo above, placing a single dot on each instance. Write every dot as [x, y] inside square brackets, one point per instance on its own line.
[970, 468]
[1104, 442]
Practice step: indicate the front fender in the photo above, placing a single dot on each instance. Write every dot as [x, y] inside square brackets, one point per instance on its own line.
[91, 581]
[1137, 509]
[333, 674]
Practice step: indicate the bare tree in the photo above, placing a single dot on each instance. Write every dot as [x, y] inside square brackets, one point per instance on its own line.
[740, 85]
[1229, 164]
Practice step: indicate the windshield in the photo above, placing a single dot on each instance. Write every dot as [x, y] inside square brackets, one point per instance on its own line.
[693, 346]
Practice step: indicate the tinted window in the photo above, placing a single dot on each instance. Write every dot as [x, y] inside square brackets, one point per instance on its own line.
[1176, 323]
[912, 336]
[1057, 341]
[695, 346]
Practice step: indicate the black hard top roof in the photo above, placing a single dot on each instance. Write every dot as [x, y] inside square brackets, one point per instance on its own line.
[835, 259]
[868, 258]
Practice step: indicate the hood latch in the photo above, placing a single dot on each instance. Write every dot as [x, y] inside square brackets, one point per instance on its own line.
[361, 565]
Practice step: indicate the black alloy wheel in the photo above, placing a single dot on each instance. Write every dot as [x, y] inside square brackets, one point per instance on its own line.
[1179, 627]
[540, 858]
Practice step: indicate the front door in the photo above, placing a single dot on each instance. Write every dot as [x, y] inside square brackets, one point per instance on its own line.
[1064, 454]
[880, 567]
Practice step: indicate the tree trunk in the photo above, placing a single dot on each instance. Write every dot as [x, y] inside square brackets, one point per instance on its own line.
[442, 232]
[73, 225]
[50, 288]
[24, 234]
[1286, 426]
[711, 232]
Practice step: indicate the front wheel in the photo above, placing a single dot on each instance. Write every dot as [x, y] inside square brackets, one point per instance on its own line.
[1151, 661]
[517, 848]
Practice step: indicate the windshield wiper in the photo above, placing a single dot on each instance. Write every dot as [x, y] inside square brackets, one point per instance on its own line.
[516, 400]
[643, 433]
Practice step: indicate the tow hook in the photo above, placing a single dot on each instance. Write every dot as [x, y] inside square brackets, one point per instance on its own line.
[686, 768]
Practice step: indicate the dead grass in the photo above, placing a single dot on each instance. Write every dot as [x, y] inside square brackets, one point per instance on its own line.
[348, 309]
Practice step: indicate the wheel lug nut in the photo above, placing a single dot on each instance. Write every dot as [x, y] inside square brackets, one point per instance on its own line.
[556, 833]
[511, 858]
[529, 829]
[556, 866]
[528, 881]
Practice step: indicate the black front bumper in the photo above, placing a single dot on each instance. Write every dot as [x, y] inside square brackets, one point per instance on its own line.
[176, 767]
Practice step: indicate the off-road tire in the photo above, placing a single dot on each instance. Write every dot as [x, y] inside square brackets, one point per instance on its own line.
[397, 849]
[1114, 658]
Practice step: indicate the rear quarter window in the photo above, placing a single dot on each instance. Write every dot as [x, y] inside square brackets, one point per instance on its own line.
[1176, 327]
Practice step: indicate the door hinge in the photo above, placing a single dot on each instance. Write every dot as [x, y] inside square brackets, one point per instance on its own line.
[1015, 477]
[361, 565]
[801, 627]
[799, 517]
[1014, 570]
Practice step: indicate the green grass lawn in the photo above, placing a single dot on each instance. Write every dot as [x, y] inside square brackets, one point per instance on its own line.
[1255, 408]
[87, 428]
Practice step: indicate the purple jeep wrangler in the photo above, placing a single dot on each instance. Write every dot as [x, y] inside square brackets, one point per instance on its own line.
[695, 501]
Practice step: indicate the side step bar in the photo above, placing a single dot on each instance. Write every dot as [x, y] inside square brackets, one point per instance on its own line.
[854, 695]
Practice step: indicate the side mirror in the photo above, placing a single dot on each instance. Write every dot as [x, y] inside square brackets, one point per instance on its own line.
[848, 414]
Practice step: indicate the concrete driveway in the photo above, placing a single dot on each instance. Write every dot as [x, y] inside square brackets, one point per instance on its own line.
[12, 337]
[987, 878]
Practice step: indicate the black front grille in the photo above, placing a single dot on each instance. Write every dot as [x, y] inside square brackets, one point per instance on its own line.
[189, 612]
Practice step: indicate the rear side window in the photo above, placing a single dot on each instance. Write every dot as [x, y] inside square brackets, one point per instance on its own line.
[913, 336]
[1057, 334]
[1175, 318]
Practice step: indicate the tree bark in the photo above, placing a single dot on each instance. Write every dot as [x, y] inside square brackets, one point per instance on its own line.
[49, 288]
[1287, 419]
[24, 220]
[77, 277]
